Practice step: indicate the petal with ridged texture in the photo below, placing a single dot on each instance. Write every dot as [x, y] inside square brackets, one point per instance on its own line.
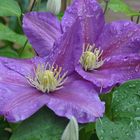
[91, 16]
[119, 37]
[67, 49]
[18, 100]
[116, 70]
[79, 99]
[42, 30]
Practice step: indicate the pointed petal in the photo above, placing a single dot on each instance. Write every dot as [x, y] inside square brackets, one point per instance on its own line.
[78, 99]
[67, 49]
[25, 67]
[7, 76]
[91, 16]
[116, 69]
[42, 30]
[18, 102]
[120, 37]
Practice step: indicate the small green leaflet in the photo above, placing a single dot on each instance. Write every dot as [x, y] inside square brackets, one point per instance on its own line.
[9, 35]
[9, 8]
[122, 7]
[8, 51]
[4, 126]
[44, 125]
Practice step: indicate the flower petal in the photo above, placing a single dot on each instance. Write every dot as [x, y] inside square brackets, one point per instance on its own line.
[120, 37]
[6, 76]
[66, 49]
[78, 99]
[91, 16]
[19, 102]
[42, 30]
[25, 67]
[116, 69]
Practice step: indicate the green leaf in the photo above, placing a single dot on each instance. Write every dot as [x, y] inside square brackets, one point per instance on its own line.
[117, 130]
[107, 98]
[122, 7]
[72, 131]
[8, 52]
[60, 15]
[4, 135]
[28, 52]
[9, 8]
[9, 35]
[44, 125]
[87, 131]
[125, 110]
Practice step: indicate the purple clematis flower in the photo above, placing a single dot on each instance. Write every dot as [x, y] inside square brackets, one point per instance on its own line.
[27, 85]
[104, 54]
[109, 53]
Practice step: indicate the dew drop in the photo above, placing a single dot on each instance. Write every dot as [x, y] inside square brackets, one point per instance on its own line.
[102, 131]
[101, 138]
[137, 68]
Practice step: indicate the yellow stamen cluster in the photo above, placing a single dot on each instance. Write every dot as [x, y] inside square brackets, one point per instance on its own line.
[90, 58]
[47, 78]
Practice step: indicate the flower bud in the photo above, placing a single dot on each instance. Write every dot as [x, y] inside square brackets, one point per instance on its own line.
[54, 6]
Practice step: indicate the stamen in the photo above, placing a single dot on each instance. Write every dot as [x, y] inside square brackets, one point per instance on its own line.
[47, 80]
[91, 57]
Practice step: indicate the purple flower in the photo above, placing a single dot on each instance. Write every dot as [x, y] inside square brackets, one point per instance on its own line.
[48, 35]
[109, 54]
[27, 85]
[104, 54]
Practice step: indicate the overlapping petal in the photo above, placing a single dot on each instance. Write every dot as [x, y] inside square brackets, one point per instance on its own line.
[78, 24]
[120, 42]
[24, 67]
[79, 99]
[116, 69]
[91, 16]
[18, 100]
[119, 37]
[42, 30]
[6, 76]
[67, 49]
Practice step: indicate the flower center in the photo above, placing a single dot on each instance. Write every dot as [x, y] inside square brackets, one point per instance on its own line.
[47, 80]
[90, 58]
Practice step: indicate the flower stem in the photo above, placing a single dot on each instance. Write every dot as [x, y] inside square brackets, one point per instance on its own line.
[106, 5]
[23, 47]
[132, 18]
[32, 6]
[26, 42]
[138, 19]
[38, 4]
[63, 5]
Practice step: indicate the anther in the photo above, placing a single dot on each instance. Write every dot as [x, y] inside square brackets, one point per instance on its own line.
[91, 58]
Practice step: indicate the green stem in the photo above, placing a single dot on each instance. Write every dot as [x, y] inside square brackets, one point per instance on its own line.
[138, 19]
[132, 18]
[19, 21]
[26, 42]
[38, 5]
[106, 6]
[34, 2]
